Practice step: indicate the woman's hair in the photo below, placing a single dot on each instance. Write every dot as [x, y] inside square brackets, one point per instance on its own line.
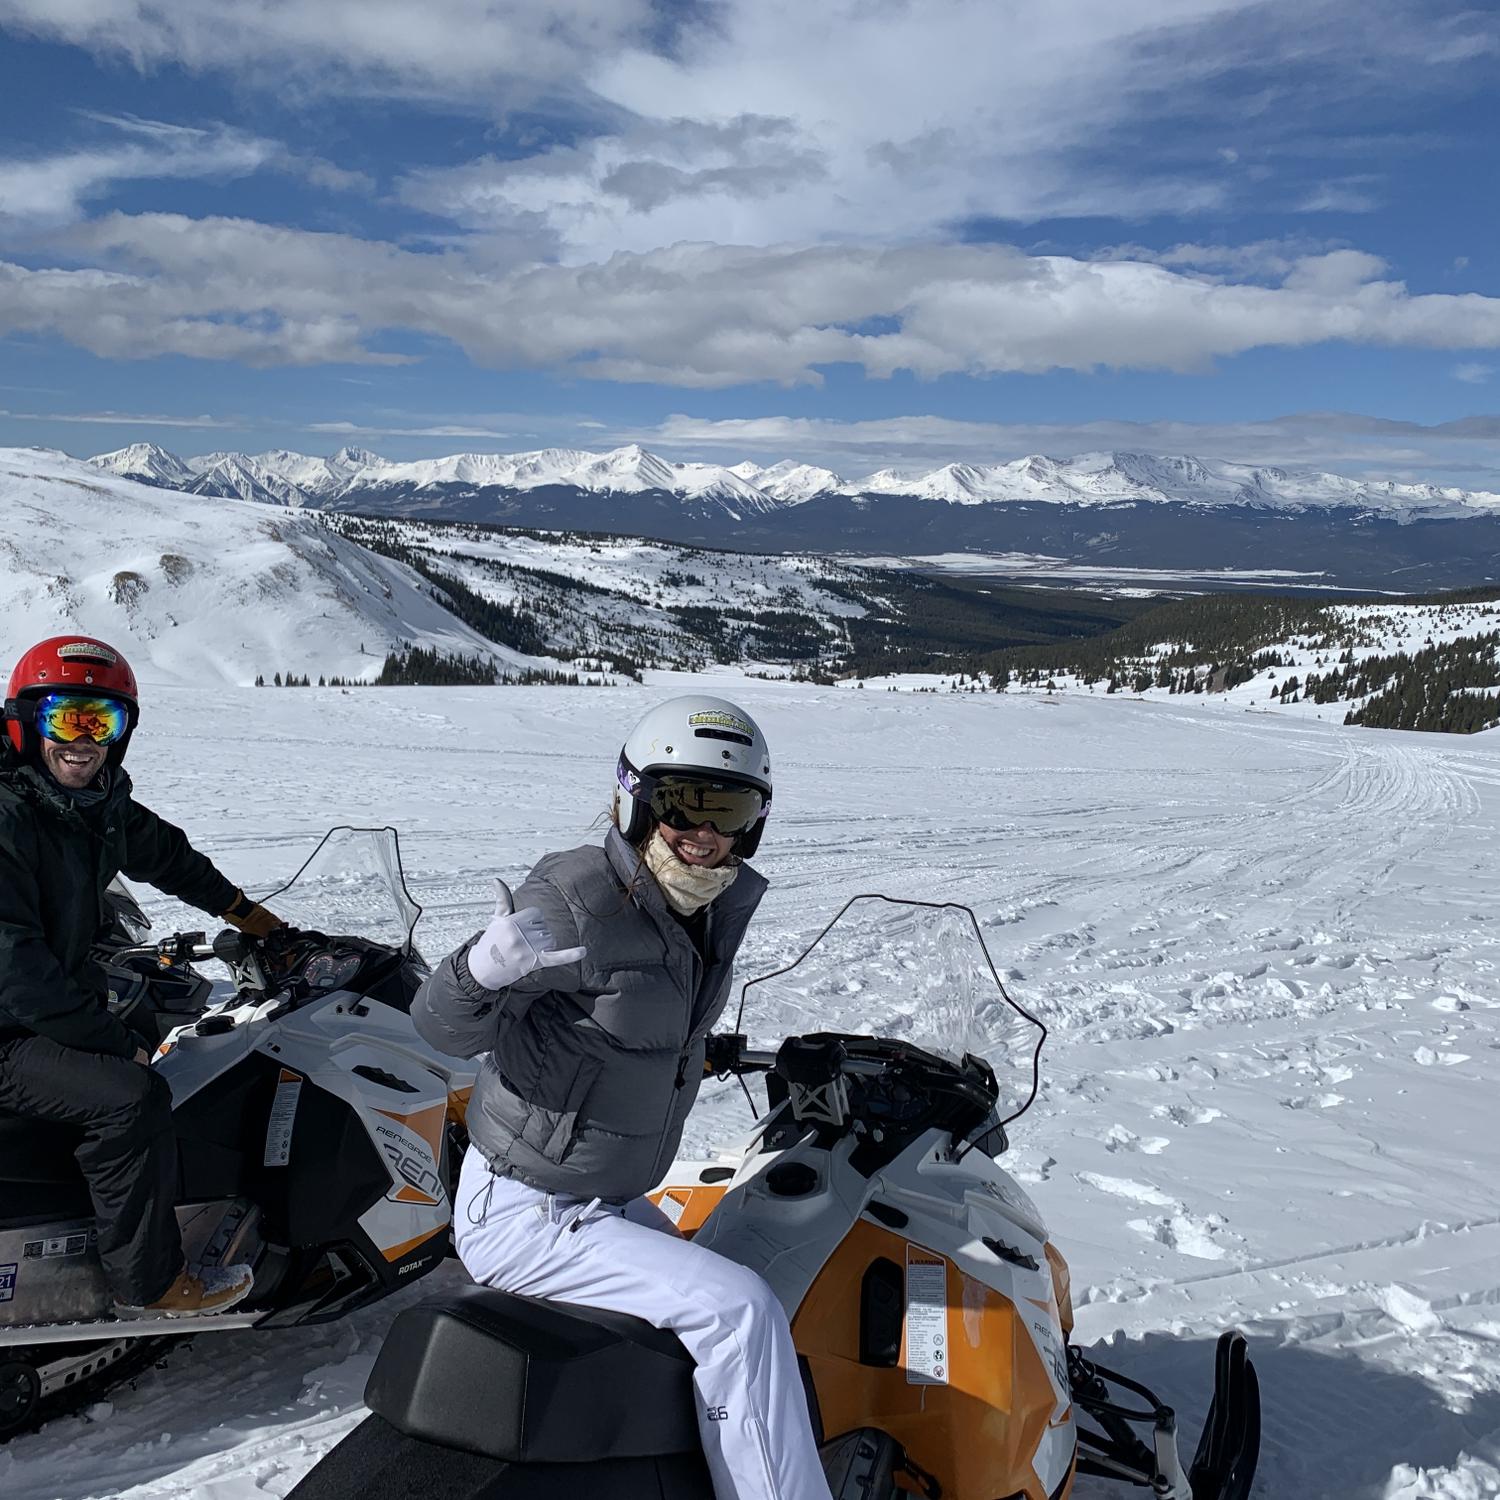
[611, 817]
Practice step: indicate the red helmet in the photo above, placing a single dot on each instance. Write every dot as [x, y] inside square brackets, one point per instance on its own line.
[76, 663]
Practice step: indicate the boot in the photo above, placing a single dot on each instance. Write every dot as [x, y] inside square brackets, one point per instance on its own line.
[208, 1289]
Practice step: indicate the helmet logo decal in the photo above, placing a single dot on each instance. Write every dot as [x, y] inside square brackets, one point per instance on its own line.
[90, 651]
[718, 720]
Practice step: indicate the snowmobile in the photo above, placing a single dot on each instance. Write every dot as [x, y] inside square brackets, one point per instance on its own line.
[319, 1138]
[930, 1309]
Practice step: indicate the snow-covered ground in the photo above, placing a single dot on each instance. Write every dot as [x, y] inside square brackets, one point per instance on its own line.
[1266, 947]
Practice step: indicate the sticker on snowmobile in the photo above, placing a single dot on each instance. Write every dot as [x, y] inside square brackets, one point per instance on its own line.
[673, 1207]
[283, 1117]
[8, 1282]
[63, 1244]
[927, 1345]
[1055, 1356]
[412, 1152]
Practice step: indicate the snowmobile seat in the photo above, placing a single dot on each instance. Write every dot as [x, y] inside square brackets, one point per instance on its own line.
[39, 1177]
[528, 1381]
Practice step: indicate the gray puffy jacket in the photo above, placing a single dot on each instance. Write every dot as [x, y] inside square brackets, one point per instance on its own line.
[591, 1067]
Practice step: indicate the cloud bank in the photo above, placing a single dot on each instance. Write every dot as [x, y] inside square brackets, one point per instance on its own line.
[701, 316]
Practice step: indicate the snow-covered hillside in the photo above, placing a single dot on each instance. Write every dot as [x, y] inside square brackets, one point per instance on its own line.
[203, 590]
[1265, 948]
[600, 596]
[1339, 661]
[746, 489]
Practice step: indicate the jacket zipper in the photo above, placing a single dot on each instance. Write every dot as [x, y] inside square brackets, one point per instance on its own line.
[698, 972]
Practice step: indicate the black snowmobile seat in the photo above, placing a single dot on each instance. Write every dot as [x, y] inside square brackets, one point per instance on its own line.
[528, 1381]
[39, 1179]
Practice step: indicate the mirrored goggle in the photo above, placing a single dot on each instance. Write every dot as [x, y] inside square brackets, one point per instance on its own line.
[64, 718]
[683, 803]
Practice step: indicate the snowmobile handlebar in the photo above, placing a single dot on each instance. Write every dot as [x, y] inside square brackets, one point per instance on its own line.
[736, 1057]
[180, 948]
[798, 1059]
[254, 962]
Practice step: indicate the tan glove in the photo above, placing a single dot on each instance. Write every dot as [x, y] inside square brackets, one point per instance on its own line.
[251, 918]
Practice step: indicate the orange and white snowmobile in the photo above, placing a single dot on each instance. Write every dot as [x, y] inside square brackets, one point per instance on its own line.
[929, 1306]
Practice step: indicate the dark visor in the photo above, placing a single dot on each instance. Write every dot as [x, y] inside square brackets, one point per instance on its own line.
[684, 802]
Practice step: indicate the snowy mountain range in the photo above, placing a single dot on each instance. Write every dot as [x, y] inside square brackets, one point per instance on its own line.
[748, 489]
[1173, 515]
[206, 587]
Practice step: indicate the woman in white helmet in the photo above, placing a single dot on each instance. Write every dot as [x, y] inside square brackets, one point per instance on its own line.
[592, 994]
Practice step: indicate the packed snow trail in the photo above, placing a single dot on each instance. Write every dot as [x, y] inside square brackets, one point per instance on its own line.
[1265, 947]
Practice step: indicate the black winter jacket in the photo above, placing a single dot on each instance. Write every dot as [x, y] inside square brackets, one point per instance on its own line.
[55, 861]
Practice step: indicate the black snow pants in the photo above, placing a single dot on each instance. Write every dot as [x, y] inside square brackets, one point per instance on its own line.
[128, 1152]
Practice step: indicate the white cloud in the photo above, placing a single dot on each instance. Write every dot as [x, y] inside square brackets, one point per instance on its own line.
[120, 419]
[702, 315]
[375, 430]
[450, 49]
[1261, 260]
[1473, 373]
[778, 121]
[52, 190]
[1350, 196]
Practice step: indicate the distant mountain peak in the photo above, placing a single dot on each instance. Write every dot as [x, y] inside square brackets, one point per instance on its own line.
[238, 477]
[358, 458]
[146, 462]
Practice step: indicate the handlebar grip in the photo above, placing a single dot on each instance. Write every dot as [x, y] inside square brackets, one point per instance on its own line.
[811, 1061]
[228, 946]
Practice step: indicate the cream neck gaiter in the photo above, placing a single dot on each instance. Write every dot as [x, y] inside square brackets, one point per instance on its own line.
[687, 888]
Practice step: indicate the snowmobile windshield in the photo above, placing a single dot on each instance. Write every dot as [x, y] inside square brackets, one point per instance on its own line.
[352, 884]
[915, 970]
[129, 925]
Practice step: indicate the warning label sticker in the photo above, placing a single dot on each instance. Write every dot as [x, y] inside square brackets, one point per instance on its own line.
[672, 1207]
[7, 1282]
[927, 1345]
[283, 1117]
[63, 1244]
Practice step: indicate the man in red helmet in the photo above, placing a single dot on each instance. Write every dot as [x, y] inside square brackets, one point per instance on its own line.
[68, 826]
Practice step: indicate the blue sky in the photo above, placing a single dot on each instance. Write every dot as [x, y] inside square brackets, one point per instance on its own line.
[856, 233]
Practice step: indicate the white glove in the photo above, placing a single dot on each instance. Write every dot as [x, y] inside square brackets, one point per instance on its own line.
[515, 943]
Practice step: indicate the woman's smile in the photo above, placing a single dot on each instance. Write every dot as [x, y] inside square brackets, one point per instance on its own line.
[703, 845]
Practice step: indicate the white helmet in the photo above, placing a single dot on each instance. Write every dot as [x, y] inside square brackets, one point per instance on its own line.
[696, 757]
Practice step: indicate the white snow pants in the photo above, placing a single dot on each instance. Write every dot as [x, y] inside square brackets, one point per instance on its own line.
[752, 1412]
